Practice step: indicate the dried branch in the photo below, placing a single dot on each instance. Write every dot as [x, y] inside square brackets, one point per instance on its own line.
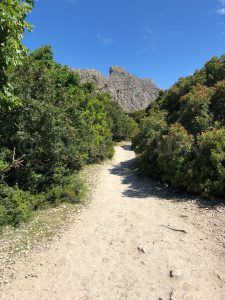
[15, 164]
[179, 230]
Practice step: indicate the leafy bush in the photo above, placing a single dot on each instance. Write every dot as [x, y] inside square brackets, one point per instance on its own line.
[217, 105]
[150, 129]
[182, 142]
[60, 126]
[209, 165]
[123, 126]
[215, 70]
[15, 205]
[194, 109]
[175, 157]
[50, 124]
[137, 116]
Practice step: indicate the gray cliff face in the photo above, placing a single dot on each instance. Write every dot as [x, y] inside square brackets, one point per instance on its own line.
[130, 92]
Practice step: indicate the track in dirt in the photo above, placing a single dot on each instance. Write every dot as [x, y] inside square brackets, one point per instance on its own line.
[122, 247]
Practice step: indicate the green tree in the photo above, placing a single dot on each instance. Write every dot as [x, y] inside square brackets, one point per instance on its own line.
[215, 70]
[209, 165]
[122, 125]
[182, 142]
[150, 129]
[217, 106]
[60, 126]
[13, 25]
[147, 142]
[175, 157]
[194, 112]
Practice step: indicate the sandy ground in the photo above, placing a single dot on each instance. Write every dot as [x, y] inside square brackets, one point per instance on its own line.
[118, 248]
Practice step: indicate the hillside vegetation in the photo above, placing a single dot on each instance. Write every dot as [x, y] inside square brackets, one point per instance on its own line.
[58, 126]
[181, 139]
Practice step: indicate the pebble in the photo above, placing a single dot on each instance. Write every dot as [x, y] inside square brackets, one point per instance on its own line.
[172, 296]
[175, 273]
[141, 249]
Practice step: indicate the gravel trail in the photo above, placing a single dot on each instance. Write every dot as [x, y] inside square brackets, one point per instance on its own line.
[125, 245]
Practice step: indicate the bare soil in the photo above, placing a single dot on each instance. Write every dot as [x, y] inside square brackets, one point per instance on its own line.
[136, 240]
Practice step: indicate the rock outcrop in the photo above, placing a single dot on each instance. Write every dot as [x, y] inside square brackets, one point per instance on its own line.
[130, 92]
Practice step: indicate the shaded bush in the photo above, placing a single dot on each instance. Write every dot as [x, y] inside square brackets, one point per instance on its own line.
[217, 105]
[194, 109]
[182, 142]
[16, 205]
[150, 129]
[122, 125]
[60, 126]
[175, 157]
[209, 165]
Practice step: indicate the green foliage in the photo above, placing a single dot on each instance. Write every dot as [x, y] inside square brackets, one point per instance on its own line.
[217, 105]
[69, 189]
[147, 142]
[194, 109]
[150, 129]
[209, 165]
[137, 116]
[13, 25]
[182, 139]
[15, 205]
[215, 70]
[171, 99]
[174, 157]
[60, 126]
[123, 127]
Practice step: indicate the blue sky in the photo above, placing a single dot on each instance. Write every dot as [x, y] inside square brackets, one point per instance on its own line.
[158, 39]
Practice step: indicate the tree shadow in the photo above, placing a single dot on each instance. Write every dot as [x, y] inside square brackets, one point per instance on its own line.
[141, 187]
[210, 204]
[126, 147]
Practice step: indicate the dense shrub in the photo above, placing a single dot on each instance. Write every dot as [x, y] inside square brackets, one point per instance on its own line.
[217, 105]
[215, 70]
[209, 165]
[175, 157]
[122, 125]
[182, 142]
[60, 126]
[147, 142]
[150, 129]
[194, 109]
[16, 205]
[137, 116]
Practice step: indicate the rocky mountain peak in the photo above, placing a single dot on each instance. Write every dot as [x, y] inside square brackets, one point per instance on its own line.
[117, 71]
[131, 92]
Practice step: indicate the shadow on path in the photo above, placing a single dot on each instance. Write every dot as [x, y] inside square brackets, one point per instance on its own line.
[127, 147]
[142, 187]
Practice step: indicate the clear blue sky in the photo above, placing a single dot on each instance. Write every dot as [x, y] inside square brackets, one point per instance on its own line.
[158, 39]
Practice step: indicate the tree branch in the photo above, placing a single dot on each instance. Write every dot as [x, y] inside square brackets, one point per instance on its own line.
[15, 164]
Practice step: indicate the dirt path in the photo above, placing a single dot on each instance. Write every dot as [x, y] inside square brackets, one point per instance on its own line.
[101, 256]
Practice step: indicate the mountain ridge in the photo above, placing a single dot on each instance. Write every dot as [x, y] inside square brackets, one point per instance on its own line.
[131, 92]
